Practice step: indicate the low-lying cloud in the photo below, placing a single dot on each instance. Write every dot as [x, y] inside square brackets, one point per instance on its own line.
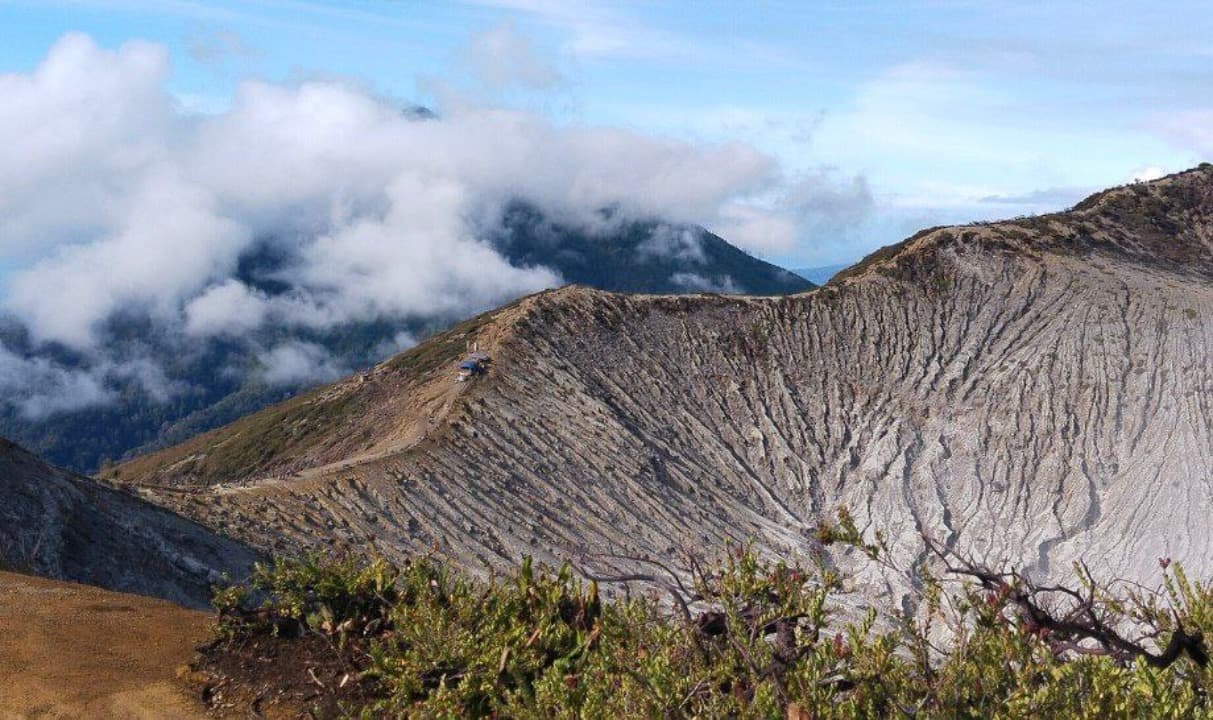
[677, 243]
[37, 387]
[295, 361]
[117, 202]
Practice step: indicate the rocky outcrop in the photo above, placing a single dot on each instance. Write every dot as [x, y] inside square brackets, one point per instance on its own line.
[1037, 391]
[59, 525]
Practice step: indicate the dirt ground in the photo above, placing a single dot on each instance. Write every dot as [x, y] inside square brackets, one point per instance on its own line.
[73, 651]
[283, 678]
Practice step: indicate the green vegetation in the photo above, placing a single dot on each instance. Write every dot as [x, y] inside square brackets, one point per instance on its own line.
[441, 351]
[884, 254]
[267, 435]
[743, 638]
[255, 442]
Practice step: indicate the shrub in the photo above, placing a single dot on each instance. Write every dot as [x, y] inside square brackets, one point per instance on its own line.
[743, 637]
[312, 593]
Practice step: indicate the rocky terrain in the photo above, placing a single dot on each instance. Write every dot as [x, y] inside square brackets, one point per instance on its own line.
[1035, 390]
[60, 525]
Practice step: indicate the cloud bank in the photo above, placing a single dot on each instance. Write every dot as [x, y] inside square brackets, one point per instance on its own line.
[117, 203]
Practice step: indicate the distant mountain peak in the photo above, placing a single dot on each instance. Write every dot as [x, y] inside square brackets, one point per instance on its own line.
[418, 112]
[628, 254]
[1165, 223]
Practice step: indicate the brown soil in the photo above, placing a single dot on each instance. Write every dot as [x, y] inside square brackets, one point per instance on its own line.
[281, 678]
[74, 651]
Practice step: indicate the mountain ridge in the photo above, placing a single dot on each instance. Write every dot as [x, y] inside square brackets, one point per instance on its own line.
[211, 381]
[1019, 388]
[1092, 228]
[59, 525]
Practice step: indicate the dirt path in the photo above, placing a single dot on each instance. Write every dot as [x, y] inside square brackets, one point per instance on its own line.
[73, 651]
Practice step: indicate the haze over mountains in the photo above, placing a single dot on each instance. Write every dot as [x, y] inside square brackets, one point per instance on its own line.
[819, 275]
[165, 272]
[215, 379]
[1036, 390]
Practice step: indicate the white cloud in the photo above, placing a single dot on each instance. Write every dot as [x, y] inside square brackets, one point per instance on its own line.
[602, 30]
[297, 362]
[822, 197]
[37, 387]
[125, 205]
[698, 283]
[400, 341]
[166, 247]
[1147, 173]
[78, 129]
[756, 228]
[815, 208]
[228, 308]
[500, 57]
[1043, 200]
[214, 47]
[147, 375]
[678, 243]
[950, 136]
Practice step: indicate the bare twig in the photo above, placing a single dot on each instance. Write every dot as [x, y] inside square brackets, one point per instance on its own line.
[1083, 621]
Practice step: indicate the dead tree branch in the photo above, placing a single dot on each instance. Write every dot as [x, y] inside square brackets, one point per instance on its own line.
[1085, 618]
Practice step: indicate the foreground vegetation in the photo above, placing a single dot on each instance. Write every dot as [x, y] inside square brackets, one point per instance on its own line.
[742, 638]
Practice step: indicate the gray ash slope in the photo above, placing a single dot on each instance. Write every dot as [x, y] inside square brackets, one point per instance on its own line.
[60, 525]
[1035, 391]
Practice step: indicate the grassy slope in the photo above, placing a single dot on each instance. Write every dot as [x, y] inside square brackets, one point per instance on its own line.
[268, 439]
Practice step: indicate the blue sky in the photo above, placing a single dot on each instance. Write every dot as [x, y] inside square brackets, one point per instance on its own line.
[948, 111]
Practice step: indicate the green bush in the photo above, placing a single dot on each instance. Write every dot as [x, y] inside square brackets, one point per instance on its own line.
[741, 638]
[313, 593]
